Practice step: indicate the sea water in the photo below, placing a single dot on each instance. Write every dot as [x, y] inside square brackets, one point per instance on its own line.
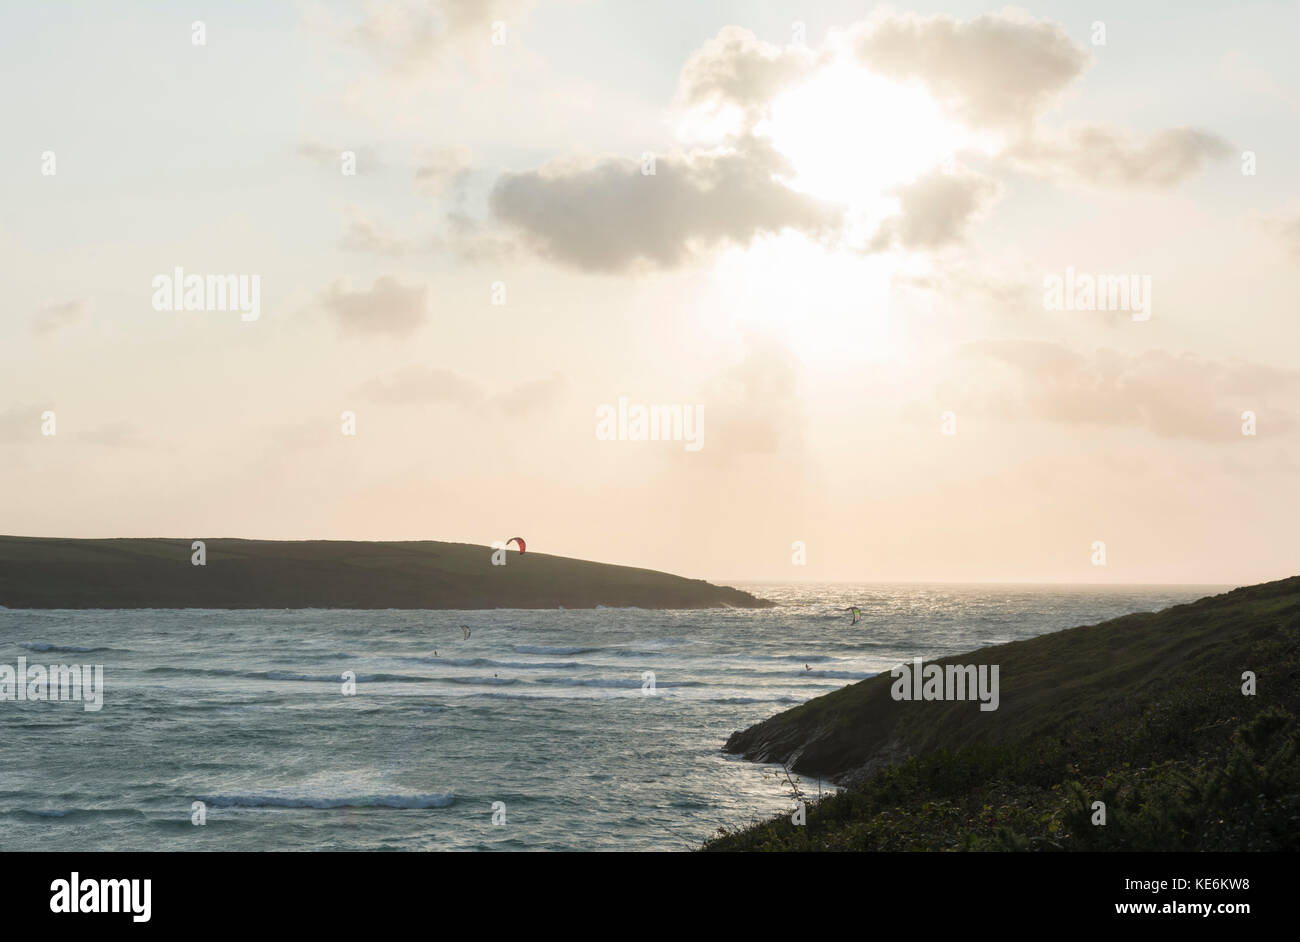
[388, 730]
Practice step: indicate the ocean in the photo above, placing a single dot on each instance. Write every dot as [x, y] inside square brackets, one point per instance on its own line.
[541, 720]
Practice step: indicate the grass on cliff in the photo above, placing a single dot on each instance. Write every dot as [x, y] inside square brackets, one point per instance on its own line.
[1166, 739]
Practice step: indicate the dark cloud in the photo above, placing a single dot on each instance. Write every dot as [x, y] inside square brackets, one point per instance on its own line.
[611, 217]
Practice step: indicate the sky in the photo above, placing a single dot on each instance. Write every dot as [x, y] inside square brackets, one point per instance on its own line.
[853, 245]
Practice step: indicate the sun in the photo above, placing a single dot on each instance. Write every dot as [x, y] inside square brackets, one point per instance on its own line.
[851, 139]
[852, 136]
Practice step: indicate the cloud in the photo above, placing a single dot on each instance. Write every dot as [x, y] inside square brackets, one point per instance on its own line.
[364, 235]
[532, 396]
[54, 317]
[20, 424]
[439, 170]
[406, 36]
[1239, 68]
[1286, 230]
[1172, 396]
[736, 68]
[302, 435]
[464, 238]
[117, 434]
[996, 70]
[331, 158]
[1100, 156]
[387, 308]
[471, 242]
[422, 384]
[23, 425]
[964, 284]
[610, 217]
[425, 384]
[935, 209]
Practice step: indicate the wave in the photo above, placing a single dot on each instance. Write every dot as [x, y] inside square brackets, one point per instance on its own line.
[60, 649]
[540, 649]
[488, 662]
[76, 813]
[338, 678]
[800, 658]
[443, 800]
[497, 681]
[630, 682]
[285, 675]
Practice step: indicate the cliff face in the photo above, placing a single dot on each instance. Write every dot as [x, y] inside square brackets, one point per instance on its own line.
[1181, 665]
[157, 573]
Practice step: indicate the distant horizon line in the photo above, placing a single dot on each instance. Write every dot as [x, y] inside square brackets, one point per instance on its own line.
[949, 582]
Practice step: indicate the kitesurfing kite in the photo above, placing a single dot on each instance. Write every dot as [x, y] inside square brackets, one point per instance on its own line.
[855, 612]
[466, 630]
[520, 541]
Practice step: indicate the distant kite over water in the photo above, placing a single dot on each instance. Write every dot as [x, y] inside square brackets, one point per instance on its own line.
[520, 541]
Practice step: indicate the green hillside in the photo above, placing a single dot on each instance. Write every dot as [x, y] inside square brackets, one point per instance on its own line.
[1145, 713]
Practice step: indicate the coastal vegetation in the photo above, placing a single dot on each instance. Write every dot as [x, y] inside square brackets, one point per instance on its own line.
[1152, 715]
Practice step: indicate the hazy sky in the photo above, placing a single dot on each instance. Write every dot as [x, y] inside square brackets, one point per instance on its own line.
[844, 255]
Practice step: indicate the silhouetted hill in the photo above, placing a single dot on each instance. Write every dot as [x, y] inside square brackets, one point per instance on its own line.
[39, 572]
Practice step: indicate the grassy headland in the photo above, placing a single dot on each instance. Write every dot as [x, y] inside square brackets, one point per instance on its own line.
[1144, 713]
[157, 573]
